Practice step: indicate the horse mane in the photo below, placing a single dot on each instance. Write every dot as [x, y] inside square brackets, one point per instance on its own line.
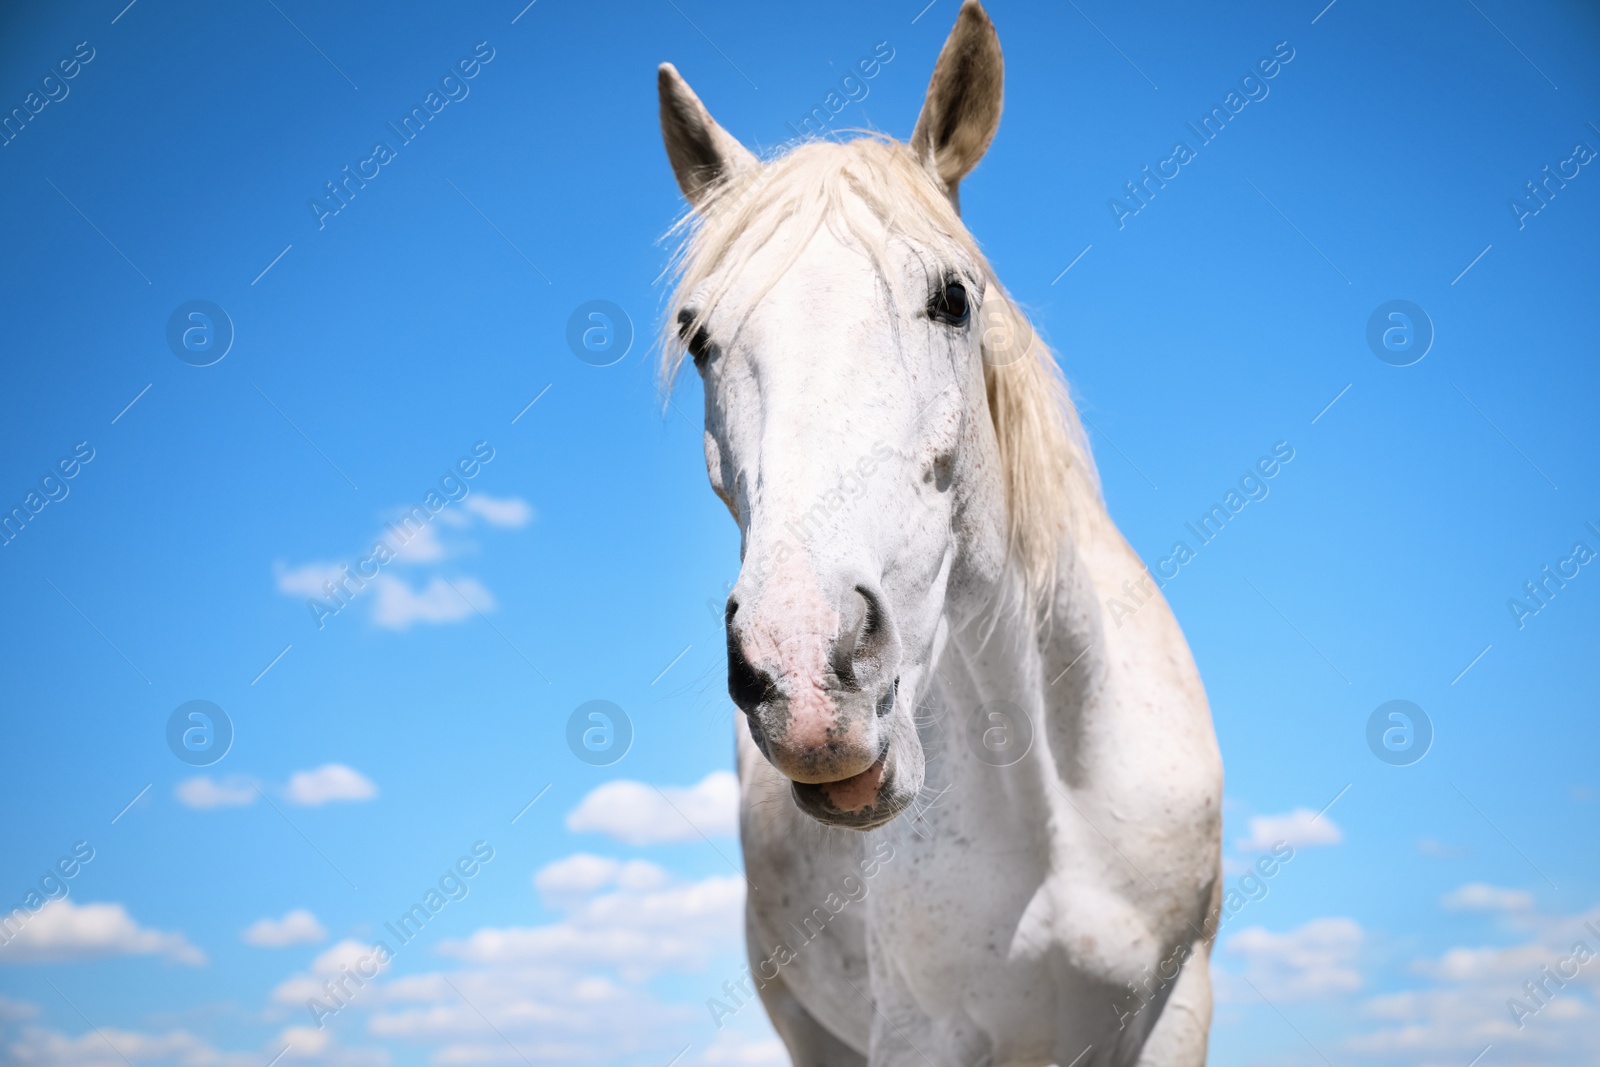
[1051, 485]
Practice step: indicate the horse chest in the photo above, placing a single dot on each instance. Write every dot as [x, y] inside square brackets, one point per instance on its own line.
[1011, 927]
[950, 908]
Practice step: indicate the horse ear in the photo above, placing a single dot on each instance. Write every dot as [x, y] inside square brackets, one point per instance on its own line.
[962, 109]
[702, 153]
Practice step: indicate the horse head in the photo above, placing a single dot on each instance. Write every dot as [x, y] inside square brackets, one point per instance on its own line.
[880, 422]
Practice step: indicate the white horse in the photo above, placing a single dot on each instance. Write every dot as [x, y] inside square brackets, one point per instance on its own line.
[981, 819]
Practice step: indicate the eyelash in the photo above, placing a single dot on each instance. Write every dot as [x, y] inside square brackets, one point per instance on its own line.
[699, 345]
[950, 304]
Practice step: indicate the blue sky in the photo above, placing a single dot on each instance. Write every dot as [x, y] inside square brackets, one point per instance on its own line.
[376, 348]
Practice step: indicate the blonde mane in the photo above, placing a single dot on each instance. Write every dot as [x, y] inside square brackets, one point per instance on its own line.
[1051, 486]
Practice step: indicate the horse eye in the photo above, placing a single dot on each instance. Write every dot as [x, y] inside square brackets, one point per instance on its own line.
[949, 304]
[698, 344]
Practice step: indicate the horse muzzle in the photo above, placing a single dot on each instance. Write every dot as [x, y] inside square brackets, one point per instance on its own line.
[866, 800]
[817, 678]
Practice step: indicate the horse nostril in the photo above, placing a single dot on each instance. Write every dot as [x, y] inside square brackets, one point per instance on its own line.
[886, 702]
[747, 686]
[865, 640]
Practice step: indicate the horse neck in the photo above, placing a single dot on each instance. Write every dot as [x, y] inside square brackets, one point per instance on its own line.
[1049, 664]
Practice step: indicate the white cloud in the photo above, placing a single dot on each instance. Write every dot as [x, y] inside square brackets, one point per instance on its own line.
[745, 1050]
[1435, 1023]
[1309, 962]
[637, 931]
[306, 580]
[1469, 1003]
[331, 781]
[111, 1046]
[207, 792]
[421, 546]
[305, 1042]
[308, 1044]
[1475, 964]
[1480, 896]
[502, 511]
[582, 874]
[551, 1017]
[62, 930]
[298, 927]
[1300, 828]
[17, 1009]
[396, 605]
[577, 991]
[347, 957]
[1439, 850]
[641, 814]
